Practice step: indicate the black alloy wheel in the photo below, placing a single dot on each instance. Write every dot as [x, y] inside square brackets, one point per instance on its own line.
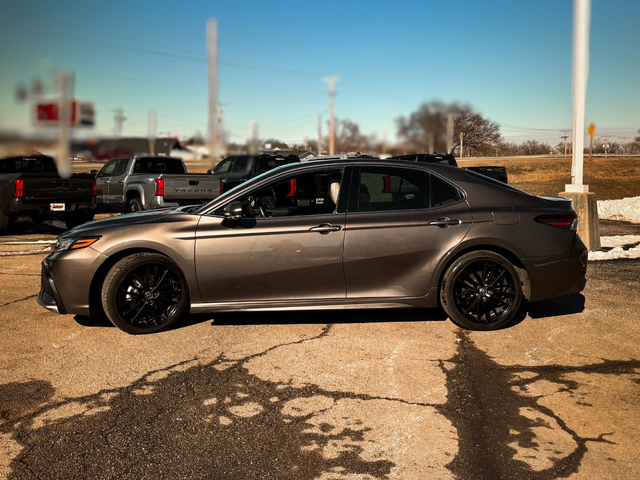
[484, 292]
[144, 293]
[481, 291]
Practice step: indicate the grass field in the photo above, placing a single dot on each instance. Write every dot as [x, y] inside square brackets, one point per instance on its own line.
[610, 178]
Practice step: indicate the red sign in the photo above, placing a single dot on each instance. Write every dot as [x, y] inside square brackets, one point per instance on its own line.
[50, 112]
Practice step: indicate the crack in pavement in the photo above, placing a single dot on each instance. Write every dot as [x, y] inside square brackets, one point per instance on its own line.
[19, 300]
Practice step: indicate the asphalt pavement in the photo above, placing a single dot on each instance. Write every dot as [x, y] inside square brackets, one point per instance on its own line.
[400, 394]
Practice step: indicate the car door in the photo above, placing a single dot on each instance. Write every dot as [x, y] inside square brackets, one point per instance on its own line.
[102, 182]
[116, 182]
[401, 221]
[294, 253]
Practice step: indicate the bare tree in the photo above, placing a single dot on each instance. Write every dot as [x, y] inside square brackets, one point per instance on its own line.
[534, 147]
[480, 135]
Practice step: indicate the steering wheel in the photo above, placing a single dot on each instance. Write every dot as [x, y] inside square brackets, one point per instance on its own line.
[257, 202]
[263, 212]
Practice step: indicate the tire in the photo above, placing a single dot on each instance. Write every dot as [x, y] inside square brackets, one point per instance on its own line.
[135, 205]
[129, 305]
[481, 290]
[5, 221]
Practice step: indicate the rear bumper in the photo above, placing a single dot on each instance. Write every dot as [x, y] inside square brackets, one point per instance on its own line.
[42, 208]
[553, 278]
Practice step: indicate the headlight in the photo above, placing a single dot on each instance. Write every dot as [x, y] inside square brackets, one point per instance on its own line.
[75, 243]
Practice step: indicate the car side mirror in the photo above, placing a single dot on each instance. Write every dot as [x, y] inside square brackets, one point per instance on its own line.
[94, 173]
[233, 210]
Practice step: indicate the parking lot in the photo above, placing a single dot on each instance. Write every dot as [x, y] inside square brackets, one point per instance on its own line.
[350, 394]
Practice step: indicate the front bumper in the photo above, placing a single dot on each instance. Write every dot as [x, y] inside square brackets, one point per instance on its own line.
[65, 280]
[49, 297]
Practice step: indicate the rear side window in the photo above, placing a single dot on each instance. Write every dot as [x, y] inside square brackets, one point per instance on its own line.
[121, 167]
[443, 193]
[241, 164]
[385, 189]
[158, 165]
[264, 164]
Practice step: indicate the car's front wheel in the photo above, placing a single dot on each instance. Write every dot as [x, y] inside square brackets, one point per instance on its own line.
[145, 293]
[481, 290]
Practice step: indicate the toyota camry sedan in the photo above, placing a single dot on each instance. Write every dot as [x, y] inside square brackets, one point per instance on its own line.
[354, 233]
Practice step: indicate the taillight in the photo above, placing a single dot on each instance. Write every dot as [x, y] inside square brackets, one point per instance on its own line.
[221, 186]
[94, 188]
[568, 221]
[19, 193]
[160, 187]
[293, 188]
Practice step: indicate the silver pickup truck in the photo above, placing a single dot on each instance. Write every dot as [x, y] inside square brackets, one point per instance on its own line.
[149, 182]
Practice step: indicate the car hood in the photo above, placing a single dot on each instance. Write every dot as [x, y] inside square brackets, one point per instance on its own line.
[163, 215]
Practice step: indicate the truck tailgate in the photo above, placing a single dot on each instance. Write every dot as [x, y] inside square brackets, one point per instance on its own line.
[186, 189]
[49, 187]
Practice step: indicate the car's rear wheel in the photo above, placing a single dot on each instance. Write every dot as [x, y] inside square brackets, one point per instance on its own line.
[145, 293]
[135, 205]
[481, 290]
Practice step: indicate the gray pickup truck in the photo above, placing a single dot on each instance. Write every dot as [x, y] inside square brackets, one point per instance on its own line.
[150, 182]
[30, 187]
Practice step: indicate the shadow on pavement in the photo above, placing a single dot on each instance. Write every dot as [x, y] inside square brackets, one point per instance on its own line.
[554, 307]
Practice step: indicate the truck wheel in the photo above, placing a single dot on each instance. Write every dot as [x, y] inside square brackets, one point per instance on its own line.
[145, 293]
[481, 290]
[5, 221]
[135, 205]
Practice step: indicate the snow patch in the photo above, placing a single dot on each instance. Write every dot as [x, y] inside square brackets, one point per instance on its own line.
[617, 245]
[626, 209]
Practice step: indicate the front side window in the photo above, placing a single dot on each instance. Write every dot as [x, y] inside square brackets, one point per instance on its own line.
[224, 166]
[313, 193]
[388, 188]
[109, 168]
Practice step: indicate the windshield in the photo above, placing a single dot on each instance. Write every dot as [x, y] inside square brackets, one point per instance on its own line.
[28, 165]
[235, 189]
[159, 165]
[494, 181]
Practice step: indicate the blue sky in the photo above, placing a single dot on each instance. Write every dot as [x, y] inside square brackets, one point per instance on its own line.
[510, 60]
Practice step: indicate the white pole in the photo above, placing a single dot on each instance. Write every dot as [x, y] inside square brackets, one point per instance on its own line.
[212, 58]
[320, 134]
[581, 20]
[63, 160]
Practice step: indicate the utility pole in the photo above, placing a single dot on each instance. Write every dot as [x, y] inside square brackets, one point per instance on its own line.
[564, 137]
[118, 120]
[152, 130]
[253, 146]
[331, 90]
[605, 144]
[384, 142]
[63, 159]
[624, 144]
[461, 139]
[431, 138]
[449, 133]
[320, 134]
[212, 63]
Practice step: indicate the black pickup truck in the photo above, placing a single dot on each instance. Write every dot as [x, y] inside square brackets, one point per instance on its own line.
[31, 187]
[497, 173]
[234, 170]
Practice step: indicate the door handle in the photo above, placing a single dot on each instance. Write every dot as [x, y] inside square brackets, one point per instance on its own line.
[326, 228]
[445, 222]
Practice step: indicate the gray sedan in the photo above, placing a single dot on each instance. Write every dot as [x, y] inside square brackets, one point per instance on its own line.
[361, 233]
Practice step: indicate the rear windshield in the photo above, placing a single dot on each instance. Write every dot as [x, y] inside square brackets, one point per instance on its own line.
[28, 165]
[159, 165]
[494, 181]
[265, 164]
